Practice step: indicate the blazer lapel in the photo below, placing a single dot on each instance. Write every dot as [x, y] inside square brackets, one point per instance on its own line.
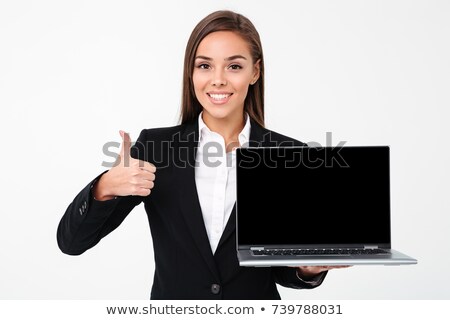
[257, 134]
[190, 206]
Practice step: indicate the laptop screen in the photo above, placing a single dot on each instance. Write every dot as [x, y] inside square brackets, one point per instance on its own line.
[313, 196]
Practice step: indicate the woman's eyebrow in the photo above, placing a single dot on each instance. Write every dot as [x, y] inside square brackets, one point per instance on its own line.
[203, 58]
[237, 56]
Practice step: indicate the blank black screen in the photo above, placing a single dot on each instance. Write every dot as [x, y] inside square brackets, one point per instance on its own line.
[311, 196]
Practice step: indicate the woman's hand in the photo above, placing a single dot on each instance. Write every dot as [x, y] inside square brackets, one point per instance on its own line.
[308, 272]
[128, 176]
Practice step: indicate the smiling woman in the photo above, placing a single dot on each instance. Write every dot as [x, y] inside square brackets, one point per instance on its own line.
[190, 202]
[224, 70]
[233, 37]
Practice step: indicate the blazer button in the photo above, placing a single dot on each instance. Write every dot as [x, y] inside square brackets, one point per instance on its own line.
[215, 288]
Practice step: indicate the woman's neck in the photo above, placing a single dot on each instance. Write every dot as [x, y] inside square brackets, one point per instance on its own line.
[228, 128]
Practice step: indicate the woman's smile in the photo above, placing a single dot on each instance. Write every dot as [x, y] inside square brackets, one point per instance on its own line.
[219, 97]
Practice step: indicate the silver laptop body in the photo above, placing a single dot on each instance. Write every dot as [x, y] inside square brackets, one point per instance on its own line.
[304, 206]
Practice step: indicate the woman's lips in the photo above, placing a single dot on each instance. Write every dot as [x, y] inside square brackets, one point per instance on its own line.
[219, 98]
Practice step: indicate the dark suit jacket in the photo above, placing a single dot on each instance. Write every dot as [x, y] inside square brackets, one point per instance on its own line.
[185, 265]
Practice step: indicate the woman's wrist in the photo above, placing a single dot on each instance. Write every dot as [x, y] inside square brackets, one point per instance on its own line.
[308, 273]
[100, 190]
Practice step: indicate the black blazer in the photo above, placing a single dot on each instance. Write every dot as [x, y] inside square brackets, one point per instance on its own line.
[185, 266]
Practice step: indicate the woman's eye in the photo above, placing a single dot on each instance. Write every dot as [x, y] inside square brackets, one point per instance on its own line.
[203, 66]
[235, 67]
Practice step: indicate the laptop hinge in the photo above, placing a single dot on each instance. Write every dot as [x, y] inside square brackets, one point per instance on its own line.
[256, 248]
[370, 247]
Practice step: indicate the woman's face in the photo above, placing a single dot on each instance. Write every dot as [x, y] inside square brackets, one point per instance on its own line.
[223, 71]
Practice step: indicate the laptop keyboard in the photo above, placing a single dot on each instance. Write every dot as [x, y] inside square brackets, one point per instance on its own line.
[295, 252]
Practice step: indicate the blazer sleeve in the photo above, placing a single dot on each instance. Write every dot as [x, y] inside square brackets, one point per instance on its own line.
[86, 220]
[287, 277]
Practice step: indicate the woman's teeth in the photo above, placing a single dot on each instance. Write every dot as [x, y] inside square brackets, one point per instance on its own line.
[219, 96]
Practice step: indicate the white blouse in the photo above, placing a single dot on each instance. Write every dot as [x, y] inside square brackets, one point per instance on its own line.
[215, 178]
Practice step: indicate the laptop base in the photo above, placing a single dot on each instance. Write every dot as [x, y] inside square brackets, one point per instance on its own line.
[247, 259]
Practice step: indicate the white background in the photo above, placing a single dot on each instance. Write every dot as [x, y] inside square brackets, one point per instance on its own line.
[72, 73]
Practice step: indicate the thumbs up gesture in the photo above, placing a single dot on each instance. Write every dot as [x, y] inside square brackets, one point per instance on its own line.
[129, 176]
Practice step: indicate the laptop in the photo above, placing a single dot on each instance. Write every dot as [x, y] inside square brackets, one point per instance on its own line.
[307, 206]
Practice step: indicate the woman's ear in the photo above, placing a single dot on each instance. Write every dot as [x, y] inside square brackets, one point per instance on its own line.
[256, 73]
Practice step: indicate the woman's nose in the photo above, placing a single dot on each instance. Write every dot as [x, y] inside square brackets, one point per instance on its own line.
[218, 78]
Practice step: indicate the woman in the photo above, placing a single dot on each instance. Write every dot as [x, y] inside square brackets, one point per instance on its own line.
[189, 202]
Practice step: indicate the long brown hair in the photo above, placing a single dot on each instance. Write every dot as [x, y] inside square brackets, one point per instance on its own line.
[223, 21]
